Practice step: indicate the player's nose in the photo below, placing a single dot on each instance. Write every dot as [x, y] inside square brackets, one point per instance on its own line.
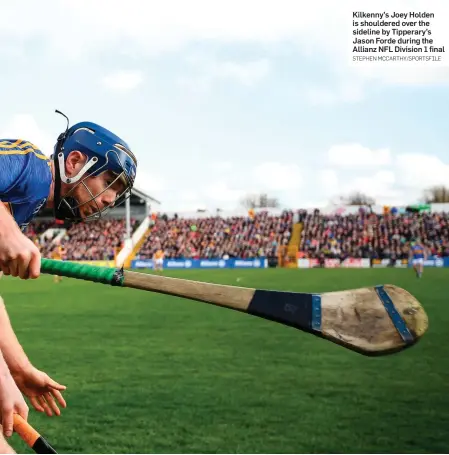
[108, 198]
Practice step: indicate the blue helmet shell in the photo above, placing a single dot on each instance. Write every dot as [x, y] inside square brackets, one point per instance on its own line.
[113, 153]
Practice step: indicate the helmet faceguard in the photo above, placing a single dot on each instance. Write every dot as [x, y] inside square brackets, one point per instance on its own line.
[105, 152]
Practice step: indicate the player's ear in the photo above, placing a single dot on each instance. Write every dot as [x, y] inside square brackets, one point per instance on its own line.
[74, 162]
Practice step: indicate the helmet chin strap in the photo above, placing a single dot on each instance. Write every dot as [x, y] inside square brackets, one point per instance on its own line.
[63, 208]
[62, 211]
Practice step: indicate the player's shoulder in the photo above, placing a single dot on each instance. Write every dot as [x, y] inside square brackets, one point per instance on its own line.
[20, 154]
[20, 148]
[25, 170]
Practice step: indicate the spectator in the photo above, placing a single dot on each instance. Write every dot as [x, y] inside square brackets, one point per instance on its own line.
[370, 235]
[217, 237]
[92, 242]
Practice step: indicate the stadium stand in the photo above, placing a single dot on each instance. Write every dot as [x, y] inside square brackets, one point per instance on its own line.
[290, 234]
[94, 242]
[374, 236]
[217, 237]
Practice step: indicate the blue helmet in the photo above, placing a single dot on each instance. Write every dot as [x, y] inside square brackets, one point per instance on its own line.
[105, 152]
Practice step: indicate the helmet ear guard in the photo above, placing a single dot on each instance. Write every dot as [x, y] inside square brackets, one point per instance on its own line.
[91, 162]
[105, 152]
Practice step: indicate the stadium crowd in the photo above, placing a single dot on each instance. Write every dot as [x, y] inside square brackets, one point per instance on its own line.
[216, 237]
[373, 236]
[356, 235]
[92, 242]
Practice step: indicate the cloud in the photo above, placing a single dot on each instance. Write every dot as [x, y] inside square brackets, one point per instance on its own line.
[380, 185]
[328, 182]
[221, 192]
[25, 127]
[375, 185]
[220, 166]
[275, 176]
[357, 156]
[123, 81]
[348, 89]
[388, 177]
[248, 73]
[420, 171]
[149, 182]
[189, 196]
[151, 27]
[208, 70]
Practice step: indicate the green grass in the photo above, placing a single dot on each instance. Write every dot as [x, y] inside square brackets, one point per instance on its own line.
[151, 373]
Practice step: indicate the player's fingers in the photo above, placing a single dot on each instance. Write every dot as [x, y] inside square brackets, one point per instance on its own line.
[23, 264]
[35, 265]
[5, 268]
[55, 385]
[59, 398]
[36, 405]
[44, 404]
[52, 403]
[7, 422]
[14, 268]
[23, 411]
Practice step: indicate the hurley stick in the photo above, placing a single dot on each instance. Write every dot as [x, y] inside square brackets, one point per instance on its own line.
[31, 437]
[375, 320]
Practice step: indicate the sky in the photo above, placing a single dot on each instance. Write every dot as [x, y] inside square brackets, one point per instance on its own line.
[221, 99]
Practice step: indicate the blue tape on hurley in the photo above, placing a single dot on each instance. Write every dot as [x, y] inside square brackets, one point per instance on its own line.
[398, 322]
[316, 312]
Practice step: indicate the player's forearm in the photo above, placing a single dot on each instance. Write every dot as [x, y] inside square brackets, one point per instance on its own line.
[4, 369]
[13, 353]
[6, 220]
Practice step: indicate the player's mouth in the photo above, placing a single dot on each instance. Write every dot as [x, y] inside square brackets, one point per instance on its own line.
[86, 211]
[90, 210]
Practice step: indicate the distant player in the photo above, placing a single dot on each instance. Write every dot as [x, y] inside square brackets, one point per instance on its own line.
[418, 255]
[58, 254]
[91, 171]
[158, 259]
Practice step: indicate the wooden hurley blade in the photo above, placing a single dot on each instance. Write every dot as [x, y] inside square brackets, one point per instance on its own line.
[377, 320]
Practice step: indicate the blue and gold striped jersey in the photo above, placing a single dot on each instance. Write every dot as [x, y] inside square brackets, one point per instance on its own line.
[25, 179]
[418, 251]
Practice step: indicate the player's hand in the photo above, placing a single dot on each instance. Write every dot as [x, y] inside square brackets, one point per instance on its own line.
[19, 256]
[42, 391]
[11, 402]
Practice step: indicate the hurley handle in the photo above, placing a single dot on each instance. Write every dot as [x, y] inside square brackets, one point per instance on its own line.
[104, 275]
[31, 437]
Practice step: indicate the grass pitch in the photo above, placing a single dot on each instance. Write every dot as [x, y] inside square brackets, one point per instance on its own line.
[149, 373]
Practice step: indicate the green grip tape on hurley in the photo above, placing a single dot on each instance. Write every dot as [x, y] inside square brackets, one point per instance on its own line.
[105, 275]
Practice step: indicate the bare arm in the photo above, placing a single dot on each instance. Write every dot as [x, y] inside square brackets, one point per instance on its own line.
[40, 388]
[13, 353]
[19, 256]
[4, 370]
[7, 222]
[11, 400]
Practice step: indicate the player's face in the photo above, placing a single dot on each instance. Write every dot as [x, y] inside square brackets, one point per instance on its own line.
[97, 193]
